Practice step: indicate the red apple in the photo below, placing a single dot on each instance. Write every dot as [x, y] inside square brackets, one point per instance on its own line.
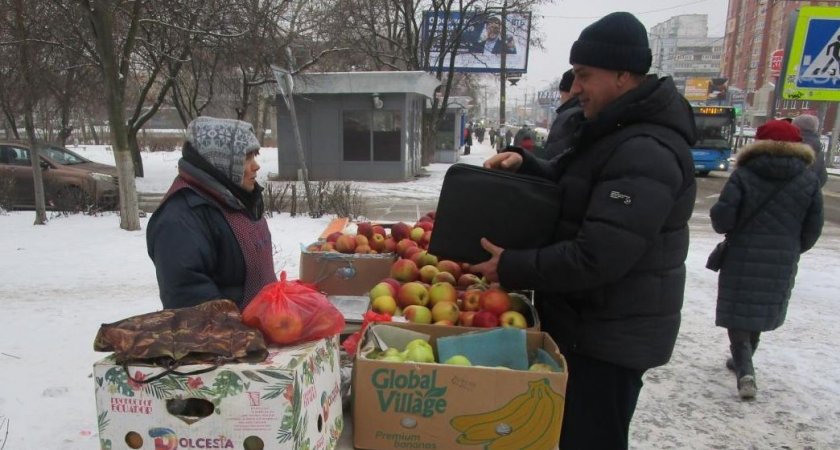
[382, 288]
[445, 311]
[426, 226]
[471, 300]
[346, 243]
[412, 293]
[485, 319]
[444, 277]
[379, 229]
[377, 242]
[411, 251]
[390, 245]
[400, 231]
[332, 237]
[465, 318]
[404, 244]
[416, 234]
[495, 300]
[446, 265]
[394, 284]
[284, 328]
[513, 319]
[365, 229]
[468, 279]
[417, 314]
[404, 270]
[442, 293]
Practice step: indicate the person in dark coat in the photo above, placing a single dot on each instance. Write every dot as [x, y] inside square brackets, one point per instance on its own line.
[609, 290]
[809, 127]
[758, 271]
[562, 128]
[209, 239]
[468, 141]
[492, 134]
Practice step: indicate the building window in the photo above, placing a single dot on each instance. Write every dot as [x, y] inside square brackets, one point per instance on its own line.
[372, 135]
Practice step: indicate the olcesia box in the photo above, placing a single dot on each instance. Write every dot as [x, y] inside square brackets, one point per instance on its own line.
[289, 401]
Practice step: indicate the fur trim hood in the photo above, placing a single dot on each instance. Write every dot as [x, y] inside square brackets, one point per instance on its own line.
[776, 148]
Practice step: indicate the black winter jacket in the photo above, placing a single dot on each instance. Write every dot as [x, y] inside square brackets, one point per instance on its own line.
[758, 272]
[562, 129]
[611, 287]
[818, 167]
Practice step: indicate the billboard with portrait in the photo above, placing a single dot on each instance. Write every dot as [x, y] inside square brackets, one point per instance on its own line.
[479, 39]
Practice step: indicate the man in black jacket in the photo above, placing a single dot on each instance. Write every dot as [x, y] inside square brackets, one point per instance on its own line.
[563, 126]
[609, 290]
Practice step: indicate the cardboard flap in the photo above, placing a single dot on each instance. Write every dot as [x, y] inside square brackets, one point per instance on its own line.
[545, 358]
[497, 347]
[387, 337]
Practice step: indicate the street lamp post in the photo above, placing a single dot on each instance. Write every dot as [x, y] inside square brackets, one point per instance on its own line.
[502, 76]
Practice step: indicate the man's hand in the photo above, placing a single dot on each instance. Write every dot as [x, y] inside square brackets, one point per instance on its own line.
[505, 161]
[488, 268]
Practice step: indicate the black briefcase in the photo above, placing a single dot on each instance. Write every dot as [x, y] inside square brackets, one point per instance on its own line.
[513, 211]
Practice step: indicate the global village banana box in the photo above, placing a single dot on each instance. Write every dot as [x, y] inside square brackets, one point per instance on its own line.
[408, 405]
[289, 401]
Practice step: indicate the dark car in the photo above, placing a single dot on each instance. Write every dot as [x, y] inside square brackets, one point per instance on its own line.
[71, 181]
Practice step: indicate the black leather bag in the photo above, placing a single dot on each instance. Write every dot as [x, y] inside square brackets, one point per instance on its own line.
[715, 260]
[511, 210]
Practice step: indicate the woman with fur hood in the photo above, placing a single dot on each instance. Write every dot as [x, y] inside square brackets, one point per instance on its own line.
[758, 271]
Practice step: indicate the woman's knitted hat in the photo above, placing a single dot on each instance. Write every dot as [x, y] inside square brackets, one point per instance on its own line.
[223, 143]
[778, 130]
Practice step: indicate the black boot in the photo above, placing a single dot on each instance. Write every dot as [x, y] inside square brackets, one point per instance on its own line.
[731, 364]
[744, 371]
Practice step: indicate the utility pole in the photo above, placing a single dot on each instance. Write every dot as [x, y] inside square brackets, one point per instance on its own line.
[502, 77]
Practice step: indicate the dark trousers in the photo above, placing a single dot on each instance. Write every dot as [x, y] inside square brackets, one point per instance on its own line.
[600, 402]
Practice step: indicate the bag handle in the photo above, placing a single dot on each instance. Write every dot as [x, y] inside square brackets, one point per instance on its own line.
[169, 370]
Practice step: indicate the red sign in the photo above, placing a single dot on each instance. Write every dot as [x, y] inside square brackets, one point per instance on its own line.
[776, 62]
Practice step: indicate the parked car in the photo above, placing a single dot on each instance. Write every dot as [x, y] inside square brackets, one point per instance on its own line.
[71, 181]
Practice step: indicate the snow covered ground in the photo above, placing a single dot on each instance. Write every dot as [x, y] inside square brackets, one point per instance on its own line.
[60, 281]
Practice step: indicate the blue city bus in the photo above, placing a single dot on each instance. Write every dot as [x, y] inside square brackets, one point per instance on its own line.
[715, 134]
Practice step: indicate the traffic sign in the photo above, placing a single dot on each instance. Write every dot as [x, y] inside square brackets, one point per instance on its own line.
[813, 68]
[776, 62]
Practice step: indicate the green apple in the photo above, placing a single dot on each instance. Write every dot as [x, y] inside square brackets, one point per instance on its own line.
[541, 367]
[420, 353]
[445, 311]
[384, 304]
[417, 314]
[382, 288]
[513, 319]
[418, 343]
[458, 360]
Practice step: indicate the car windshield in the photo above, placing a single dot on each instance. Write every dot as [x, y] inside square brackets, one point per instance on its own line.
[63, 156]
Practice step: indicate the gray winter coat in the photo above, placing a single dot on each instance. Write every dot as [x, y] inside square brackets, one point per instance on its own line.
[758, 272]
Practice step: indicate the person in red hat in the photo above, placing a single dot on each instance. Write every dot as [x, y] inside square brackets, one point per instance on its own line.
[771, 210]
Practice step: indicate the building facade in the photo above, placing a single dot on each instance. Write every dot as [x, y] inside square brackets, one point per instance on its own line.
[683, 49]
[755, 38]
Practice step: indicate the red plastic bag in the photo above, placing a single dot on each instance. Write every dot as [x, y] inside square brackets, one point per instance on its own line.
[349, 344]
[289, 312]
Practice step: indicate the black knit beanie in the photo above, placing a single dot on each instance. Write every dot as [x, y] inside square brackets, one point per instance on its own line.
[566, 81]
[617, 41]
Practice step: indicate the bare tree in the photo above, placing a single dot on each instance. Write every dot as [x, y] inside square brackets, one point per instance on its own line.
[27, 61]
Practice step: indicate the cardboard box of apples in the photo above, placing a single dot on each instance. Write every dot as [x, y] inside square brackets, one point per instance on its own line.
[425, 386]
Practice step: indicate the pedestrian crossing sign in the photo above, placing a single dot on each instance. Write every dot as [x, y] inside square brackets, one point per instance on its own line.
[813, 67]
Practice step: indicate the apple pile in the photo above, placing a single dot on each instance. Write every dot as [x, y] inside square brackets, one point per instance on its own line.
[428, 295]
[418, 350]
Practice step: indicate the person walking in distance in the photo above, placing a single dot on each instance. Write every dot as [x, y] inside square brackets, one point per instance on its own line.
[609, 289]
[564, 124]
[775, 204]
[809, 128]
